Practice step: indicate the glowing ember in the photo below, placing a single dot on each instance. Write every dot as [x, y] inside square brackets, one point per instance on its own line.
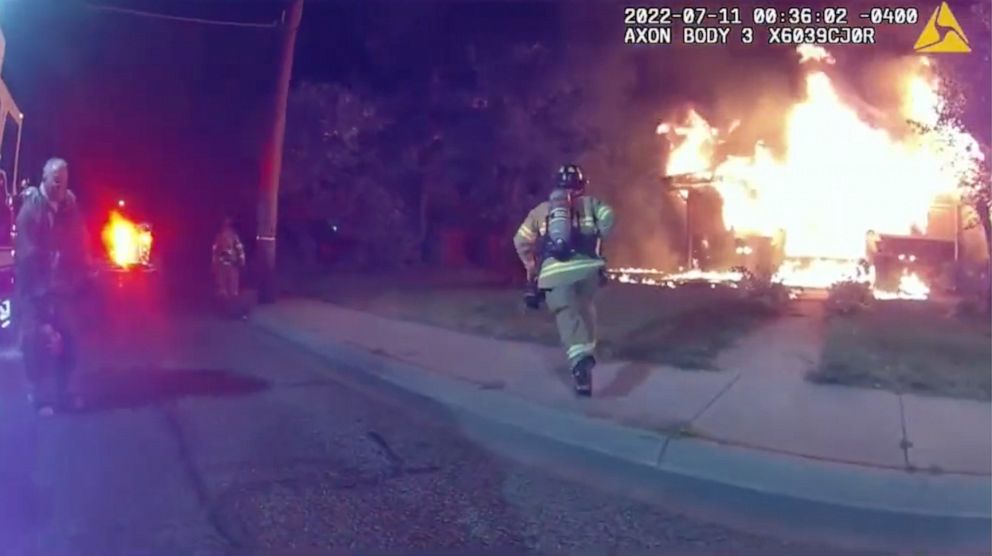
[127, 243]
[713, 277]
[655, 277]
[841, 175]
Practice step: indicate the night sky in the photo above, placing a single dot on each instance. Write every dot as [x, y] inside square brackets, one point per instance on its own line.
[165, 114]
[171, 115]
[97, 84]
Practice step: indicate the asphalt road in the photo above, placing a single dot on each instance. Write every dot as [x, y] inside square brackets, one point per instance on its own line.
[204, 436]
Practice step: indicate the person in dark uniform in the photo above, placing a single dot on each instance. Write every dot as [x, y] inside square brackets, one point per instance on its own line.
[51, 262]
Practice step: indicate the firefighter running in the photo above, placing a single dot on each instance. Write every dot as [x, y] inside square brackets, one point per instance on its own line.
[228, 260]
[560, 245]
[51, 264]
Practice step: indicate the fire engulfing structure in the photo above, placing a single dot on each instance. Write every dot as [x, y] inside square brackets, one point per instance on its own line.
[846, 172]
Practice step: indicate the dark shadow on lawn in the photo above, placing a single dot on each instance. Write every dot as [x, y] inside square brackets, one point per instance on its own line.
[628, 378]
[133, 388]
[692, 339]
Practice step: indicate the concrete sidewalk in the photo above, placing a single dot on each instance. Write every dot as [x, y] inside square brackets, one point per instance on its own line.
[752, 427]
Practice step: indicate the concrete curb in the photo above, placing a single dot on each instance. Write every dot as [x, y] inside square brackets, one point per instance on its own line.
[959, 498]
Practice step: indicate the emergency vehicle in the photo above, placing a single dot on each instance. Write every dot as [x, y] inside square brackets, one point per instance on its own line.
[11, 120]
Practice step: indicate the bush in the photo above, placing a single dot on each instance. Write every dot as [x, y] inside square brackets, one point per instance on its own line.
[389, 237]
[849, 297]
[761, 293]
[974, 306]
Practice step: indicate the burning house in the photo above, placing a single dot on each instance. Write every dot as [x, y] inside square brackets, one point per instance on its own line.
[856, 193]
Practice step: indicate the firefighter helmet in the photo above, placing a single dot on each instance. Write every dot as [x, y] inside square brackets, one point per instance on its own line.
[570, 177]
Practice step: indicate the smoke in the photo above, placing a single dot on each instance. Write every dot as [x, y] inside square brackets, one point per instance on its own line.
[625, 164]
[629, 91]
[751, 90]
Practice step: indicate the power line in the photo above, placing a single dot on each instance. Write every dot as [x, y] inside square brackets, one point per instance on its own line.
[153, 15]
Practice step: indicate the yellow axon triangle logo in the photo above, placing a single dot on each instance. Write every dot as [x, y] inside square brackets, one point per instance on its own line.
[943, 34]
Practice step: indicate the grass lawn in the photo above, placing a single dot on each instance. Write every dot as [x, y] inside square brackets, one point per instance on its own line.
[909, 347]
[685, 328]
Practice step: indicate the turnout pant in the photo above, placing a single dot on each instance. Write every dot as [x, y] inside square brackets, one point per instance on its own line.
[228, 278]
[48, 345]
[575, 315]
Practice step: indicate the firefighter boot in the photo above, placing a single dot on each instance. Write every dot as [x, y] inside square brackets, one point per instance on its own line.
[582, 373]
[533, 296]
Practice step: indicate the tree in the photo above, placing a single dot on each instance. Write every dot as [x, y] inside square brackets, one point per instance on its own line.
[977, 194]
[533, 110]
[968, 93]
[484, 130]
[978, 186]
[336, 170]
[622, 108]
[975, 191]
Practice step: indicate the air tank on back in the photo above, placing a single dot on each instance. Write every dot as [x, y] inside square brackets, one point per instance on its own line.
[560, 224]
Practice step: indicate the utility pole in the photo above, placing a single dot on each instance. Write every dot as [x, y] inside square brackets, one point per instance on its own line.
[268, 194]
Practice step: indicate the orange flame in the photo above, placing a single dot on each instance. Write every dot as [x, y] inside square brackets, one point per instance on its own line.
[840, 177]
[911, 286]
[127, 243]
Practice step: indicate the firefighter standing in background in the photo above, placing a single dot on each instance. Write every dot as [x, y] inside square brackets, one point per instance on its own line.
[559, 244]
[228, 260]
[51, 263]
